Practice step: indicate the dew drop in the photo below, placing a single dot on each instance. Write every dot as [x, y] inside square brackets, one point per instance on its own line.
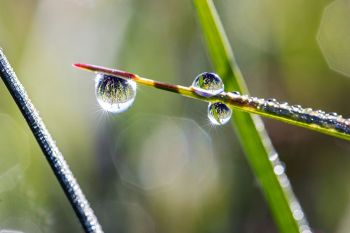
[278, 169]
[114, 94]
[219, 113]
[273, 157]
[271, 100]
[208, 84]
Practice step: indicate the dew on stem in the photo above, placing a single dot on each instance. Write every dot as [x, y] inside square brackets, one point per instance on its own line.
[114, 94]
[328, 123]
[219, 113]
[208, 84]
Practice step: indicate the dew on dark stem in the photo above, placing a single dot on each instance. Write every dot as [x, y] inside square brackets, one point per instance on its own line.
[114, 94]
[208, 84]
[219, 113]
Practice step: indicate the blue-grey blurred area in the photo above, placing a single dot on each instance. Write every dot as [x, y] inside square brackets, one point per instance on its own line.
[161, 167]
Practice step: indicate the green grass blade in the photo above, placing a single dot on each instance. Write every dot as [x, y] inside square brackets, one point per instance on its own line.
[250, 130]
[327, 123]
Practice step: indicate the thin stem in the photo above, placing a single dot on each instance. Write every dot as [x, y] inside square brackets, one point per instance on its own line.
[327, 123]
[59, 166]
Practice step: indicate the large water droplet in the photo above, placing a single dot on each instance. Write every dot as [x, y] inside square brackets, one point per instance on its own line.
[208, 84]
[219, 113]
[114, 94]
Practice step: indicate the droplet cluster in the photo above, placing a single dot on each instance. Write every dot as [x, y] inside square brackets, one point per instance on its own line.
[209, 84]
[295, 112]
[114, 94]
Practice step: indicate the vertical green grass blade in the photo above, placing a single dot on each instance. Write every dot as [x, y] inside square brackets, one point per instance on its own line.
[253, 137]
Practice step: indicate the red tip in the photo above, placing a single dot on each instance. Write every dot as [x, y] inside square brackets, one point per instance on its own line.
[82, 66]
[105, 70]
[78, 65]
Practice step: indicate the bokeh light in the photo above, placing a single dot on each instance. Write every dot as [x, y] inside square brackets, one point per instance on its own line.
[166, 151]
[161, 166]
[334, 35]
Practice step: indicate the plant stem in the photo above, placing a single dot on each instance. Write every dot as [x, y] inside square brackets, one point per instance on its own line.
[59, 166]
[260, 153]
[330, 124]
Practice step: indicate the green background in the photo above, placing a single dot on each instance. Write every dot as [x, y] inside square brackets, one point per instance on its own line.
[161, 166]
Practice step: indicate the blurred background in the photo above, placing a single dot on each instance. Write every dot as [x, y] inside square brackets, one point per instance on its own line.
[161, 166]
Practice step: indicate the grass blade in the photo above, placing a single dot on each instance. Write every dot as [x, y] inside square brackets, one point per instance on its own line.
[256, 144]
[327, 123]
[48, 146]
[320, 121]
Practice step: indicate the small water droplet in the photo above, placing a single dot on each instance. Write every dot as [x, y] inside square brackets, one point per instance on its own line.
[208, 84]
[271, 100]
[114, 94]
[219, 113]
[245, 98]
[278, 169]
[273, 157]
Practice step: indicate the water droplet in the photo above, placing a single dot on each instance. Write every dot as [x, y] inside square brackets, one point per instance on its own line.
[114, 94]
[245, 98]
[278, 169]
[219, 113]
[273, 157]
[208, 84]
[271, 100]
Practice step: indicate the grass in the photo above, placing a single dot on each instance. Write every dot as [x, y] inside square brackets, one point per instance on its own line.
[243, 103]
[253, 138]
[48, 146]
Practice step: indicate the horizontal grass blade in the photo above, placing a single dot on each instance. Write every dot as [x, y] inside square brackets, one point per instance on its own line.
[327, 123]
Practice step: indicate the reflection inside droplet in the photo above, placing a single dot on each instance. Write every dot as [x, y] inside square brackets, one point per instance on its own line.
[208, 84]
[114, 94]
[219, 113]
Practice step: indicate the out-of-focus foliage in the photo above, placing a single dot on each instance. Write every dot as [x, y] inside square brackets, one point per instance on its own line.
[204, 186]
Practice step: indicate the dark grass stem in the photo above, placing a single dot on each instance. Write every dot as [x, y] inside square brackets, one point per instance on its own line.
[57, 162]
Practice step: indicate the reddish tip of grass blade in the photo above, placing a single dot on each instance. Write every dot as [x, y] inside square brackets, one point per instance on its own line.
[80, 66]
[104, 70]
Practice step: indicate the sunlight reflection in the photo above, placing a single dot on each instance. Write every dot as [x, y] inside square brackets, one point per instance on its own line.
[167, 151]
[334, 35]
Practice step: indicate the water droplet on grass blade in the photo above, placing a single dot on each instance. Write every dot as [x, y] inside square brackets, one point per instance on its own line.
[208, 84]
[114, 94]
[219, 113]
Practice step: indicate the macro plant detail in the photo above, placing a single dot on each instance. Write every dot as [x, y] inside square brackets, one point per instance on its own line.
[209, 87]
[148, 155]
[209, 84]
[48, 146]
